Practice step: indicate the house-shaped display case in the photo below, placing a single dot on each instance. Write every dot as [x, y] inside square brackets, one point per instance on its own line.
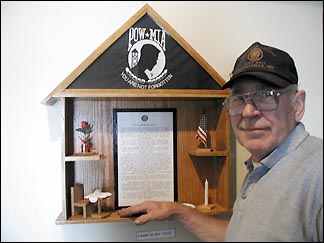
[108, 79]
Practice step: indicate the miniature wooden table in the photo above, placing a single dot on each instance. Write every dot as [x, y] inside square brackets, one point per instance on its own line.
[97, 196]
[99, 214]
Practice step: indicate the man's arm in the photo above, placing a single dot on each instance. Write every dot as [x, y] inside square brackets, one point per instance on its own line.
[204, 227]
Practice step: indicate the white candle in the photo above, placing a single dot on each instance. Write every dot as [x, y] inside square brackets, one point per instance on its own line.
[206, 192]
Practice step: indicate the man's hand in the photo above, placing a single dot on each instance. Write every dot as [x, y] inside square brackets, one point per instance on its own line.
[149, 210]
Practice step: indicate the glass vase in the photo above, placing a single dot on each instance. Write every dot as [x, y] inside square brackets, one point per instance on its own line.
[84, 148]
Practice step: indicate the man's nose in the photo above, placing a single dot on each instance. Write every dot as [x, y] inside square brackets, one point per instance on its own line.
[250, 110]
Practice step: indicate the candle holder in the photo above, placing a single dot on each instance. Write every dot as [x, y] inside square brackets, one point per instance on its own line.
[206, 207]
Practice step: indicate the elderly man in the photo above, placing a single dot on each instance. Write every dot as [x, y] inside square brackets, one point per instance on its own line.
[282, 195]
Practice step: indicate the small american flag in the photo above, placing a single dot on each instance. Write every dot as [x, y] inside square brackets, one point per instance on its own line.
[201, 134]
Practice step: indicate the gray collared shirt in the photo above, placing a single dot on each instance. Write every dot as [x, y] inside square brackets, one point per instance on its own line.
[282, 200]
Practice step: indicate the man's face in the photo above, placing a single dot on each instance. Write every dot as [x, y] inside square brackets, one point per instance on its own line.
[260, 132]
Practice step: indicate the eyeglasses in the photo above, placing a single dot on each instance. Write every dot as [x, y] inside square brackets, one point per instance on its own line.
[266, 100]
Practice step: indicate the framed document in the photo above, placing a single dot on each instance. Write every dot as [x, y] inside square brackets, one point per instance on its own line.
[145, 156]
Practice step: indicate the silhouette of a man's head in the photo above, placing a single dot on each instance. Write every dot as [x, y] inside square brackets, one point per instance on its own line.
[149, 57]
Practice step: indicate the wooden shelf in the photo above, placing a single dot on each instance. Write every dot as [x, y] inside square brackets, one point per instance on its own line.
[79, 219]
[158, 93]
[211, 153]
[114, 217]
[83, 156]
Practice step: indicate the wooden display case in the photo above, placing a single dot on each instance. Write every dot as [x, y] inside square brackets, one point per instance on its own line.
[96, 170]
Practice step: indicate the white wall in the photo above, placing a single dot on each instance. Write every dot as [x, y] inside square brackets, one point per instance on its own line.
[42, 42]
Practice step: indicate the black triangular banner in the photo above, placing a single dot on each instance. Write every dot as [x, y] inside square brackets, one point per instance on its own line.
[145, 57]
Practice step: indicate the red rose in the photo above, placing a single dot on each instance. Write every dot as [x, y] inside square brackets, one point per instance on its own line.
[84, 124]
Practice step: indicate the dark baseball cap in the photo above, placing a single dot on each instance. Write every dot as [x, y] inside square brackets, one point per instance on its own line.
[265, 63]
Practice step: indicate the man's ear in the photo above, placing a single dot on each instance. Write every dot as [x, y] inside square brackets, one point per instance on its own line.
[299, 104]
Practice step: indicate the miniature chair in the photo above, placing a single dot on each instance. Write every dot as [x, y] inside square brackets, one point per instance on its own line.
[78, 200]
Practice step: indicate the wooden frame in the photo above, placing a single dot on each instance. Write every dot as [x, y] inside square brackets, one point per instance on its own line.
[97, 105]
